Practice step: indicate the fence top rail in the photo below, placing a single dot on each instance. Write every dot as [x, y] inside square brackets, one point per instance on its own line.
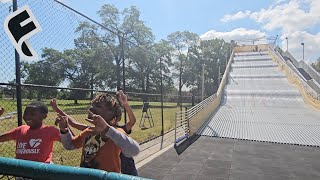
[95, 90]
[195, 109]
[23, 168]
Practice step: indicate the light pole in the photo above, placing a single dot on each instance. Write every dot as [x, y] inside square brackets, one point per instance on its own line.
[218, 73]
[302, 51]
[287, 44]
[202, 85]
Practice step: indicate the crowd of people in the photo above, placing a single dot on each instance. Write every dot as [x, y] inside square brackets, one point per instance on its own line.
[105, 144]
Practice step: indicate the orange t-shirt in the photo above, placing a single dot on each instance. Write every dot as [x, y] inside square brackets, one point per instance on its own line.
[98, 152]
[34, 144]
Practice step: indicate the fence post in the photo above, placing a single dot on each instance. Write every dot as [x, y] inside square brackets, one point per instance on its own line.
[18, 76]
[175, 128]
[192, 100]
[161, 92]
[123, 72]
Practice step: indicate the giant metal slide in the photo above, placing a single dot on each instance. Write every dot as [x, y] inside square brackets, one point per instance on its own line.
[258, 103]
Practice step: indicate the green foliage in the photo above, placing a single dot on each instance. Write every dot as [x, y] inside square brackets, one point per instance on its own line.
[316, 65]
[97, 59]
[47, 71]
[182, 41]
[212, 54]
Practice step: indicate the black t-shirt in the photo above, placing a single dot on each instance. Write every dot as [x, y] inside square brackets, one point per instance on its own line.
[124, 127]
[127, 163]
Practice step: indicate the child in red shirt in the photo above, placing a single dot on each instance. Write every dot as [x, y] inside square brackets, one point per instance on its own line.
[34, 141]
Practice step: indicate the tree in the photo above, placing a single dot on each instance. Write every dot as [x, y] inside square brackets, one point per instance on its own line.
[88, 69]
[206, 53]
[316, 65]
[47, 71]
[164, 51]
[182, 41]
[129, 27]
[144, 68]
[89, 65]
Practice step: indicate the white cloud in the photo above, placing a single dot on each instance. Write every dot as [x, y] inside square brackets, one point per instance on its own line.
[236, 34]
[311, 45]
[5, 1]
[293, 18]
[289, 17]
[279, 1]
[238, 15]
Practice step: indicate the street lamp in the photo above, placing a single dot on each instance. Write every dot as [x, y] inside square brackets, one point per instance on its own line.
[302, 51]
[287, 43]
[218, 73]
[202, 84]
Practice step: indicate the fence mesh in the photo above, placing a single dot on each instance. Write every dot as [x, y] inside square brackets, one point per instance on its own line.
[59, 36]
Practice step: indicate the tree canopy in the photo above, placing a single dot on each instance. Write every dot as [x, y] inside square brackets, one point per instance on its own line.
[99, 53]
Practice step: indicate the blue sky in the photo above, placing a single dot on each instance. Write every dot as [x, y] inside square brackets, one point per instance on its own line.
[167, 16]
[299, 20]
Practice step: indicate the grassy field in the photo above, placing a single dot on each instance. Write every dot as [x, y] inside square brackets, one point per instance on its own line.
[79, 112]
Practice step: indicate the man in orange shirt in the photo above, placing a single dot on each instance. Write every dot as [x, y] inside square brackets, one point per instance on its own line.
[103, 143]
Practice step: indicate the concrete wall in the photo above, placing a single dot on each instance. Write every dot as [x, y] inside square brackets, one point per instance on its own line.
[293, 67]
[292, 59]
[313, 73]
[314, 85]
[293, 79]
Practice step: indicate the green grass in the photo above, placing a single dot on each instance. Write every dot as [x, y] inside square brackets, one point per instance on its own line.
[79, 112]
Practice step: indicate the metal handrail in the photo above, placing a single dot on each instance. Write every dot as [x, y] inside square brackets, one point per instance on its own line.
[184, 116]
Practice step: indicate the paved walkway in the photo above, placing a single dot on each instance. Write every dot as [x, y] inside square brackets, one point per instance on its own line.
[220, 158]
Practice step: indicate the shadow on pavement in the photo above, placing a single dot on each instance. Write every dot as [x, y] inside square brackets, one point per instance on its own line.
[185, 144]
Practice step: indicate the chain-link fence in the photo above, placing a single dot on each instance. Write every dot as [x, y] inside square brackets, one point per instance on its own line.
[69, 39]
[150, 123]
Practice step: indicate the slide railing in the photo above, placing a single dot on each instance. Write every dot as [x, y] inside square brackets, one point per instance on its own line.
[190, 121]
